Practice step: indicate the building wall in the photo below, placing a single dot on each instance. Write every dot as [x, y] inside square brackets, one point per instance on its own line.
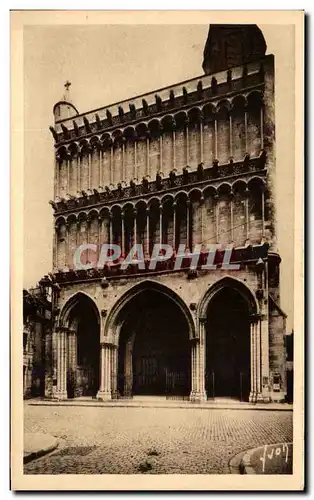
[224, 143]
[189, 290]
[231, 130]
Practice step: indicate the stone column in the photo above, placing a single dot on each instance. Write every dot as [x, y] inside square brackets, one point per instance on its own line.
[195, 366]
[114, 371]
[202, 360]
[67, 245]
[54, 358]
[187, 144]
[128, 369]
[262, 127]
[174, 224]
[104, 392]
[174, 148]
[123, 162]
[202, 140]
[256, 361]
[111, 164]
[110, 229]
[264, 334]
[100, 167]
[89, 170]
[62, 358]
[48, 364]
[160, 224]
[252, 397]
[231, 196]
[134, 226]
[247, 219]
[202, 208]
[72, 362]
[188, 225]
[198, 392]
[259, 396]
[147, 157]
[147, 232]
[122, 235]
[68, 163]
[245, 130]
[56, 178]
[217, 217]
[263, 212]
[193, 373]
[78, 174]
[135, 159]
[55, 247]
[230, 135]
[216, 138]
[160, 156]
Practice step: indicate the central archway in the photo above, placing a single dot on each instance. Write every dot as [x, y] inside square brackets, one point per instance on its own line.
[154, 356]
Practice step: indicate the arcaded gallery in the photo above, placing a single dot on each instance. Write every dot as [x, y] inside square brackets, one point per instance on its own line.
[190, 164]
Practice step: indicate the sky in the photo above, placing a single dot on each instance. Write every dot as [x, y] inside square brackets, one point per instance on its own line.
[109, 63]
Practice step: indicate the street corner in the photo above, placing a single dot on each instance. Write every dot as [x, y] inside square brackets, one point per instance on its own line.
[269, 459]
[38, 444]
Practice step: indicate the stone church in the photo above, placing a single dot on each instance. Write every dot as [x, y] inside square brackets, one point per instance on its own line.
[190, 164]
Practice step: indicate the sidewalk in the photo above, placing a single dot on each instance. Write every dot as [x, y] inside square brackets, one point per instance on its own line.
[37, 445]
[268, 459]
[163, 403]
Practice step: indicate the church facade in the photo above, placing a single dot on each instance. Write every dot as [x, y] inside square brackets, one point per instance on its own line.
[190, 165]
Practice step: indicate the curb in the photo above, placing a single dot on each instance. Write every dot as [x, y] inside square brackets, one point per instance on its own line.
[192, 406]
[246, 459]
[235, 463]
[39, 453]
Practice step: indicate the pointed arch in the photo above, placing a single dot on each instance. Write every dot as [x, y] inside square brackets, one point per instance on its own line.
[113, 323]
[233, 283]
[74, 300]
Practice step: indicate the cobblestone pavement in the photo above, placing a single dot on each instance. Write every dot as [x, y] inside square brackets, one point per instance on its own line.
[150, 440]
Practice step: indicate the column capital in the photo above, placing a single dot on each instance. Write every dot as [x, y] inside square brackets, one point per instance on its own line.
[60, 329]
[254, 318]
[106, 343]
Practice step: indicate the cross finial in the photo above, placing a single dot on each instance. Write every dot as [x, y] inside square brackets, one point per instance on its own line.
[67, 84]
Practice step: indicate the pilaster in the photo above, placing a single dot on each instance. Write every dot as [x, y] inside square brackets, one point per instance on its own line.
[198, 392]
[62, 363]
[104, 392]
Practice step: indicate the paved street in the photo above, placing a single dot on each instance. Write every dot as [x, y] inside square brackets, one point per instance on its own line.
[150, 440]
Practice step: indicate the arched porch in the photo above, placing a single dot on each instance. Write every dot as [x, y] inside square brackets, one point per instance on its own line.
[233, 342]
[78, 348]
[148, 343]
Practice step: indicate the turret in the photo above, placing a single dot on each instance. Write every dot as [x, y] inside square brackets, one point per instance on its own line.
[64, 108]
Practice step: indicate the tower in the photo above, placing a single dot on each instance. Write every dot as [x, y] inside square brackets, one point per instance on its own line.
[231, 45]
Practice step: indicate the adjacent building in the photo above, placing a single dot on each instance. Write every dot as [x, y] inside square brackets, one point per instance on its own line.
[36, 328]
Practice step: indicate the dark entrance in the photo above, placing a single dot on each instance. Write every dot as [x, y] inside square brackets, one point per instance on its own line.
[84, 364]
[154, 348]
[228, 346]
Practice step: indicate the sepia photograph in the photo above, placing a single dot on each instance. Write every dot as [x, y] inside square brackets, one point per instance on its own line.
[156, 329]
